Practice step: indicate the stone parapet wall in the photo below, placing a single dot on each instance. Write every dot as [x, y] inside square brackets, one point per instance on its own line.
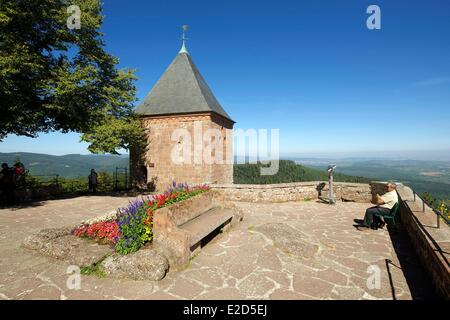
[430, 242]
[297, 191]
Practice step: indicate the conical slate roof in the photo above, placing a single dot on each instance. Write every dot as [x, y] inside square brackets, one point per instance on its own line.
[180, 90]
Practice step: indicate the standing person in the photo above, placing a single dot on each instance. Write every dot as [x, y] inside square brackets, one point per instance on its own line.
[19, 173]
[7, 183]
[93, 181]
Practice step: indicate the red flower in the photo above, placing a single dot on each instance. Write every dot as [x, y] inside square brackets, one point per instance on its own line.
[103, 230]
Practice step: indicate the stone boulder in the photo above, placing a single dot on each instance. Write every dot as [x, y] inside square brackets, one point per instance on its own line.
[145, 264]
[38, 240]
[60, 244]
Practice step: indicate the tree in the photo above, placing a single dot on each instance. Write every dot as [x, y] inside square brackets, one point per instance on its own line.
[114, 134]
[56, 78]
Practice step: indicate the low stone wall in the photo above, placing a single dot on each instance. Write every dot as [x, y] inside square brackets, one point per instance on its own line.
[180, 212]
[297, 191]
[168, 239]
[430, 242]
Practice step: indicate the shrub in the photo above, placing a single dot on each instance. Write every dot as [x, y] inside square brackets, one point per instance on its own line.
[134, 232]
[135, 221]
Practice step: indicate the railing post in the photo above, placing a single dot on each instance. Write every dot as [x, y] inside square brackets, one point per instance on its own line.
[435, 211]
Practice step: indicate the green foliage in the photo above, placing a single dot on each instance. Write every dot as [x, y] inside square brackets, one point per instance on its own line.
[75, 185]
[135, 222]
[115, 133]
[432, 201]
[93, 269]
[67, 166]
[147, 235]
[56, 78]
[134, 232]
[69, 185]
[423, 176]
[442, 206]
[105, 181]
[288, 171]
[33, 181]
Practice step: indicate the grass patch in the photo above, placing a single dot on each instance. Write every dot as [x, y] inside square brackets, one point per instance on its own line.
[194, 256]
[94, 269]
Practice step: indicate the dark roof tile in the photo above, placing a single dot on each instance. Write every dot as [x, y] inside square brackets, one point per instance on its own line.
[181, 89]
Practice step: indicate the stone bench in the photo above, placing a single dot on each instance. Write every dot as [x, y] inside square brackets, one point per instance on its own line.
[201, 226]
[180, 230]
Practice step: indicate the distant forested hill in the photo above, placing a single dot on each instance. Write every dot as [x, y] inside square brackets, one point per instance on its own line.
[76, 165]
[423, 176]
[69, 166]
[288, 171]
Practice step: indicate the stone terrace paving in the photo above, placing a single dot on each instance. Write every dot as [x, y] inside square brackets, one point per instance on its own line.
[293, 250]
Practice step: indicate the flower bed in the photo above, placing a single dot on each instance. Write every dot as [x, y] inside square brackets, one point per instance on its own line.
[132, 226]
[103, 231]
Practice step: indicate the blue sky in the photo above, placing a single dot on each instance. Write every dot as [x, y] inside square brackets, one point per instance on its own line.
[309, 68]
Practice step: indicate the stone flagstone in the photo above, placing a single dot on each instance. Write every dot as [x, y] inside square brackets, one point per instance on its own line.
[293, 250]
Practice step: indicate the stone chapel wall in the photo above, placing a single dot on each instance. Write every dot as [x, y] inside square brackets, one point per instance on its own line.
[157, 159]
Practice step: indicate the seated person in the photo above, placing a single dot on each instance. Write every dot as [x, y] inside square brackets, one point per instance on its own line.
[384, 205]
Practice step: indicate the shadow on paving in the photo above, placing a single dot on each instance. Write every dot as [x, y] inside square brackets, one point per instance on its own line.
[23, 205]
[417, 278]
[42, 201]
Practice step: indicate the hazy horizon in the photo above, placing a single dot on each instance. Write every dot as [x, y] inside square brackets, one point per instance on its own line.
[416, 155]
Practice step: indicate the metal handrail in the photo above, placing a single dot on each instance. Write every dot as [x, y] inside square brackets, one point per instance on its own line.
[437, 212]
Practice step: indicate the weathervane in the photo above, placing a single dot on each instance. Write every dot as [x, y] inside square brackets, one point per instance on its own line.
[183, 47]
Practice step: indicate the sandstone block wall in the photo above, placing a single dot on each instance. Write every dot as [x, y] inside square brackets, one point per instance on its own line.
[157, 162]
[430, 242]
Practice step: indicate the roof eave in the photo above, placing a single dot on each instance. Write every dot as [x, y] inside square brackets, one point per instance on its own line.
[153, 115]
